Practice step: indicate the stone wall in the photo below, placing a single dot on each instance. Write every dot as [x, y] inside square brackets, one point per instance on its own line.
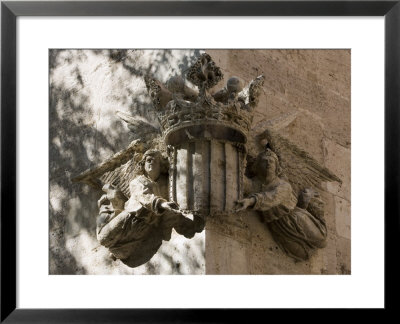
[309, 88]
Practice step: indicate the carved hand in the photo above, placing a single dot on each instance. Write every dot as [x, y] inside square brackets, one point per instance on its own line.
[244, 203]
[305, 196]
[170, 206]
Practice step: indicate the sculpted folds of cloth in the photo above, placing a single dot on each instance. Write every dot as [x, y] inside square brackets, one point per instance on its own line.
[298, 226]
[135, 233]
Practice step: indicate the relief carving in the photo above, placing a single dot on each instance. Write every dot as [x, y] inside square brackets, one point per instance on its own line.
[295, 219]
[133, 229]
[195, 166]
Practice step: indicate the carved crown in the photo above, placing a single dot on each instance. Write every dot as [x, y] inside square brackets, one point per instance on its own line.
[204, 118]
[186, 114]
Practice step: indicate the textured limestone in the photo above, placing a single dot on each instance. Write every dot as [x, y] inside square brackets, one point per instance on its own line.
[87, 87]
[342, 212]
[337, 158]
[314, 87]
[343, 256]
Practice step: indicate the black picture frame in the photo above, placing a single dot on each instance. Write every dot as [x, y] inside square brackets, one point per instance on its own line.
[11, 10]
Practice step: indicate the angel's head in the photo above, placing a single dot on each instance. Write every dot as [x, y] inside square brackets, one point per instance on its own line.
[267, 166]
[152, 164]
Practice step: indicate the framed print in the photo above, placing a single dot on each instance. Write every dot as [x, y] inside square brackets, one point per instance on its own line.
[253, 142]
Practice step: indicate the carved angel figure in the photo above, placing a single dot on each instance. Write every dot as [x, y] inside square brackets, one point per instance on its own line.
[291, 208]
[133, 229]
[292, 225]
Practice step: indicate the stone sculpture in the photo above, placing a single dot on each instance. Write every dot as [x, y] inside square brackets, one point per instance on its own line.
[296, 223]
[195, 166]
[133, 229]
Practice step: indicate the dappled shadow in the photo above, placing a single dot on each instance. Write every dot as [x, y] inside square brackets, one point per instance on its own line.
[86, 88]
[179, 256]
[69, 150]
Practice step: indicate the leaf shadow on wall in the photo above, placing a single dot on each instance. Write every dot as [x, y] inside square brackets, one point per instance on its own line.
[83, 131]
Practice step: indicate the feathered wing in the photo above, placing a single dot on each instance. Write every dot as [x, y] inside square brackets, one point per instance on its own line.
[301, 170]
[139, 126]
[118, 170]
[121, 176]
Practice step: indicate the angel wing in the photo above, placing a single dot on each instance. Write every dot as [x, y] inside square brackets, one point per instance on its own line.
[118, 170]
[301, 170]
[139, 126]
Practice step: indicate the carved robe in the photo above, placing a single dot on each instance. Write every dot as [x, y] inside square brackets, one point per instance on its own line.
[135, 234]
[295, 229]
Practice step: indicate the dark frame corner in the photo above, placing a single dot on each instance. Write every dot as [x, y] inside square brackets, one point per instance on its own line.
[11, 10]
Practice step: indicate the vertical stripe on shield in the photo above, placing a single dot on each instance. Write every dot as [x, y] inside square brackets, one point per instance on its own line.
[182, 176]
[190, 176]
[172, 176]
[206, 166]
[232, 176]
[198, 175]
[217, 176]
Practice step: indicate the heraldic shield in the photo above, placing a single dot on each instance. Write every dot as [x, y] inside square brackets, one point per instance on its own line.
[206, 141]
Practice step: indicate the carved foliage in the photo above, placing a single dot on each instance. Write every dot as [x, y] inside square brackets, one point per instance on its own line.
[204, 73]
[250, 95]
[159, 94]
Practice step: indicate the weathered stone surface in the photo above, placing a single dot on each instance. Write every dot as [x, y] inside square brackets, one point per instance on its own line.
[313, 86]
[304, 94]
[316, 80]
[87, 87]
[343, 256]
[329, 253]
[228, 256]
[342, 216]
[338, 159]
[265, 256]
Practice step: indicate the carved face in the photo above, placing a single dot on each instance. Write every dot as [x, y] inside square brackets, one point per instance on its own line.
[266, 166]
[152, 166]
[106, 211]
[106, 207]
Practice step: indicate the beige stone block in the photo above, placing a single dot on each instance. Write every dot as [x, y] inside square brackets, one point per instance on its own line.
[220, 57]
[266, 257]
[342, 215]
[224, 254]
[338, 160]
[343, 255]
[329, 211]
[306, 132]
[317, 263]
[330, 257]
